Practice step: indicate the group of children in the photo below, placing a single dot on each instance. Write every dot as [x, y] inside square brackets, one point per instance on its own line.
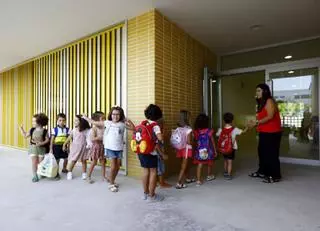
[105, 139]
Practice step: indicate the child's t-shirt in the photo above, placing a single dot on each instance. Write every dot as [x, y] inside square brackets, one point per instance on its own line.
[236, 132]
[113, 137]
[60, 135]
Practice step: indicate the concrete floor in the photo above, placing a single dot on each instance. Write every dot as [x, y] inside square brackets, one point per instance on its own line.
[239, 205]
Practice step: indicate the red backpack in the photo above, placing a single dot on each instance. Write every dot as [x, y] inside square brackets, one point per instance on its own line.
[225, 144]
[143, 139]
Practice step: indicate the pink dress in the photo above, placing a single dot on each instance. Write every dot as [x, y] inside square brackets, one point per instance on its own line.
[78, 150]
[97, 151]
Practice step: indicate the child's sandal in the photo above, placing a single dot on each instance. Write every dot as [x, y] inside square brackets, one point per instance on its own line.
[181, 186]
[113, 188]
[198, 183]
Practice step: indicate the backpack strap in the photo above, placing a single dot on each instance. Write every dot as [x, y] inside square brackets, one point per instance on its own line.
[31, 134]
[55, 131]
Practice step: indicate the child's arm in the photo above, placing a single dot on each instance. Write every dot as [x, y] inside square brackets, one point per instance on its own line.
[214, 145]
[189, 138]
[64, 147]
[46, 140]
[93, 135]
[129, 125]
[97, 123]
[23, 132]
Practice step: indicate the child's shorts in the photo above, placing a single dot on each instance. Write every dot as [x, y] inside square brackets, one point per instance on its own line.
[110, 154]
[204, 162]
[185, 153]
[161, 168]
[148, 160]
[230, 156]
[58, 152]
[36, 151]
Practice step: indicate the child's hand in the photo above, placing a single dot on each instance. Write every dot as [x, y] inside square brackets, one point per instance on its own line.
[165, 157]
[64, 148]
[215, 154]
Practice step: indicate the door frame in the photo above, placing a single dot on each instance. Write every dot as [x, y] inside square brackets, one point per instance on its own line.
[270, 68]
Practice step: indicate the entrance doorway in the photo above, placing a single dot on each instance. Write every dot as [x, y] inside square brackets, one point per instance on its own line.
[297, 95]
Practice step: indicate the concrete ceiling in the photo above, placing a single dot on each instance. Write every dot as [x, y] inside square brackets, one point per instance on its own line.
[29, 28]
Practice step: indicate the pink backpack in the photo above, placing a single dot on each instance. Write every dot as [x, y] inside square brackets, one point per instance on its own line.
[178, 138]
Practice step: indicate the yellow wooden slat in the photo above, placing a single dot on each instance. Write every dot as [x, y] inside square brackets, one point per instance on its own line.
[94, 75]
[108, 76]
[113, 68]
[85, 77]
[103, 72]
[81, 45]
[58, 86]
[74, 95]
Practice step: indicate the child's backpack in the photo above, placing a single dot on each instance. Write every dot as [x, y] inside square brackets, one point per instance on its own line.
[62, 139]
[178, 138]
[45, 131]
[143, 139]
[204, 149]
[225, 144]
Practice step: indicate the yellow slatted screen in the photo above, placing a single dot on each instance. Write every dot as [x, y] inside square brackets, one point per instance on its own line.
[16, 104]
[79, 78]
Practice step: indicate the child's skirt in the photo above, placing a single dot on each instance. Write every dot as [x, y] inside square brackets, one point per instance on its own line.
[97, 151]
[185, 153]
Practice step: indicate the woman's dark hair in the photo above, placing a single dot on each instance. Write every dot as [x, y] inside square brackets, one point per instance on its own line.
[266, 94]
[202, 121]
[41, 119]
[61, 115]
[228, 118]
[83, 125]
[122, 116]
[153, 112]
[184, 118]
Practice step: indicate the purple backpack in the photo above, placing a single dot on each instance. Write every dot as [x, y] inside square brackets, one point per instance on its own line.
[204, 150]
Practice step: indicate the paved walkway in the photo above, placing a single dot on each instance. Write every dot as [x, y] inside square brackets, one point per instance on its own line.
[240, 205]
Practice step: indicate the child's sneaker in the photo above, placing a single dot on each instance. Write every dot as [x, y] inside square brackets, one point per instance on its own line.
[156, 198]
[145, 196]
[113, 188]
[211, 178]
[69, 176]
[229, 177]
[35, 179]
[225, 174]
[84, 176]
[90, 181]
[189, 181]
[57, 177]
[65, 171]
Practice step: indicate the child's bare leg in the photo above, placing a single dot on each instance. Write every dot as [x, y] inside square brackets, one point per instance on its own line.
[145, 180]
[229, 167]
[209, 170]
[152, 181]
[65, 164]
[103, 168]
[71, 166]
[84, 166]
[34, 162]
[183, 170]
[199, 169]
[225, 165]
[93, 164]
[113, 171]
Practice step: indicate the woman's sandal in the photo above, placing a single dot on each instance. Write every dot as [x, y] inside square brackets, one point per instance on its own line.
[181, 186]
[256, 175]
[270, 180]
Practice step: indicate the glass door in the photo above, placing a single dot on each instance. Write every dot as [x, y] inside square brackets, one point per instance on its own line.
[297, 95]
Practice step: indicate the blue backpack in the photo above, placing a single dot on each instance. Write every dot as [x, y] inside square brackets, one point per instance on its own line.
[204, 150]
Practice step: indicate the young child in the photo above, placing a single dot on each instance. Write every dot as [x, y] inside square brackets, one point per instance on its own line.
[113, 140]
[96, 150]
[183, 147]
[223, 134]
[78, 150]
[59, 135]
[205, 151]
[161, 158]
[149, 161]
[39, 138]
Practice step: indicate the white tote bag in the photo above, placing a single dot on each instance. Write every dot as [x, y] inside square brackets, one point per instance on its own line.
[48, 167]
